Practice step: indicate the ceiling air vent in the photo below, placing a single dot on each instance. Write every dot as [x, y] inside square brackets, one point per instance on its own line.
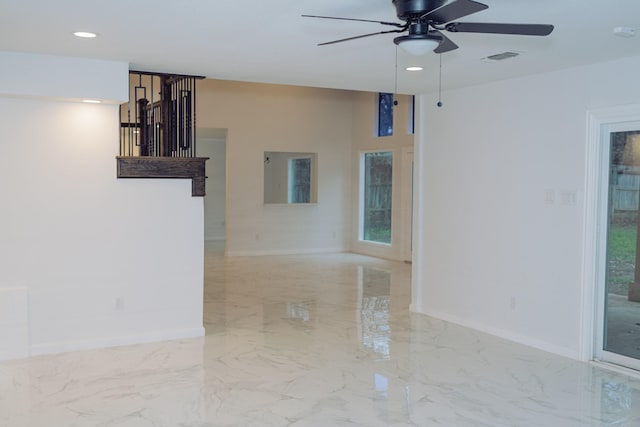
[500, 56]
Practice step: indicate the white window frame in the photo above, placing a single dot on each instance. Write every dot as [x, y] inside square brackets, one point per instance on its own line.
[361, 193]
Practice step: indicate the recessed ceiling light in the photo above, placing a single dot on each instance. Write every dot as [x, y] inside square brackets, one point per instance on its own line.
[85, 34]
[414, 68]
[92, 101]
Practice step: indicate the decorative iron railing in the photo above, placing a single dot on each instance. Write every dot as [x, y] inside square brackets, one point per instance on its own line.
[160, 118]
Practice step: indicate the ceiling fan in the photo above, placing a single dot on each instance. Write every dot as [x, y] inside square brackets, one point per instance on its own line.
[424, 21]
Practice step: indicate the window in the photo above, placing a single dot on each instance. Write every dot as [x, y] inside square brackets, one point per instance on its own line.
[376, 192]
[299, 180]
[385, 114]
[411, 127]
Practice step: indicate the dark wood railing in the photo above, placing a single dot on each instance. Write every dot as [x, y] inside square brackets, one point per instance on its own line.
[158, 129]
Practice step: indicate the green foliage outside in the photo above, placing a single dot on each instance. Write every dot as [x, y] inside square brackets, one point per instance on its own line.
[378, 179]
[622, 257]
[381, 235]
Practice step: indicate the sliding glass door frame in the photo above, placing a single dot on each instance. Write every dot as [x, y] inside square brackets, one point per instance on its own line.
[602, 124]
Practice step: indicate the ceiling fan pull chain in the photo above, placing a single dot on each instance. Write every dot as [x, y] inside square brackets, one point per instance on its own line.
[439, 104]
[395, 89]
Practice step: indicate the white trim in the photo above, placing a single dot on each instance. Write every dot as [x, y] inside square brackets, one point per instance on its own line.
[595, 225]
[360, 222]
[501, 333]
[616, 368]
[14, 323]
[590, 252]
[406, 203]
[375, 244]
[155, 336]
[417, 269]
[268, 205]
[287, 252]
[618, 360]
[361, 155]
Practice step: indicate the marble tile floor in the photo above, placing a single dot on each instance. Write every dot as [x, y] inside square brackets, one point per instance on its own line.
[315, 340]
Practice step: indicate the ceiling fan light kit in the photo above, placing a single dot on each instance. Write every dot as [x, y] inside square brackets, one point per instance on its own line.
[418, 46]
[425, 21]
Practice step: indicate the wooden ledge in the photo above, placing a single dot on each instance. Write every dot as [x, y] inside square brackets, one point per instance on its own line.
[165, 167]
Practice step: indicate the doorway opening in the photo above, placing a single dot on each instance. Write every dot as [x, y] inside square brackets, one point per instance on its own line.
[212, 143]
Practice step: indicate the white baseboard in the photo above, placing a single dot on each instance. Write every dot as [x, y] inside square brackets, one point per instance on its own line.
[501, 333]
[154, 336]
[14, 323]
[286, 252]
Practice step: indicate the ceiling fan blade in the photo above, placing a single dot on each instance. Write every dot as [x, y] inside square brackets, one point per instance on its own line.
[454, 10]
[395, 24]
[446, 45]
[485, 27]
[360, 37]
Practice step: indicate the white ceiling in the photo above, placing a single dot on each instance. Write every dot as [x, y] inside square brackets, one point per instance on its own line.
[268, 40]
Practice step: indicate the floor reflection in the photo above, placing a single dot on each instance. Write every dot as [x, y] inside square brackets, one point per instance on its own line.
[623, 326]
[616, 400]
[375, 286]
[322, 340]
[299, 311]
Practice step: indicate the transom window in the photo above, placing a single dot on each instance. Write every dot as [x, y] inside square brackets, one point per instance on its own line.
[385, 114]
[411, 125]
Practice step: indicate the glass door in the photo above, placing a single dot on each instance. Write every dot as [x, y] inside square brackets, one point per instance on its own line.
[620, 341]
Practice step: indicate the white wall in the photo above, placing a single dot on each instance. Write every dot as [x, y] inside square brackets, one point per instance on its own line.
[276, 182]
[261, 118]
[365, 139]
[492, 254]
[90, 255]
[62, 78]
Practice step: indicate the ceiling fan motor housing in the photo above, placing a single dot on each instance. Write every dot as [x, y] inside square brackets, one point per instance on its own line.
[411, 9]
[426, 20]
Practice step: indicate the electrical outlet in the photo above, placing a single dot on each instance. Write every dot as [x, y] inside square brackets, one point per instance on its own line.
[512, 303]
[569, 197]
[119, 304]
[549, 197]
